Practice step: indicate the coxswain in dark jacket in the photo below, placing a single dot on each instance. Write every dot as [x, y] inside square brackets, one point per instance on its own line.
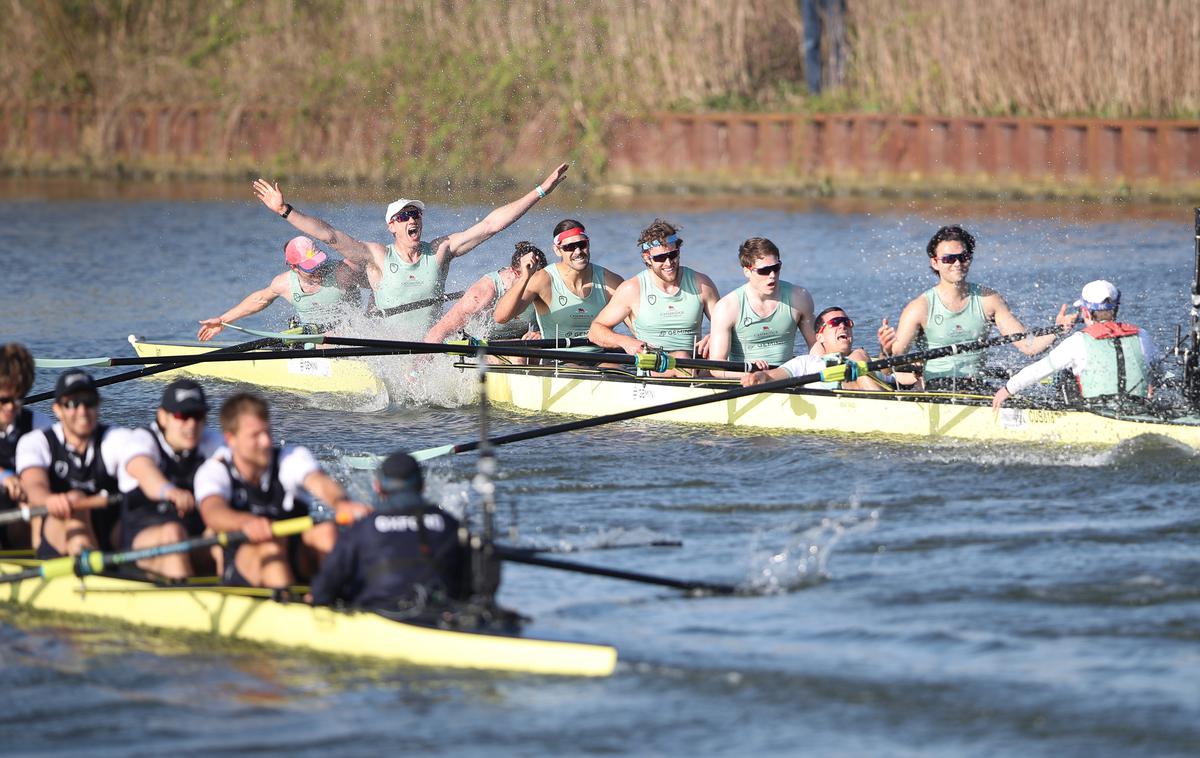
[407, 552]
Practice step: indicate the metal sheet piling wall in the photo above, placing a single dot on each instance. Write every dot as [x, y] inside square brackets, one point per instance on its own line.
[722, 149]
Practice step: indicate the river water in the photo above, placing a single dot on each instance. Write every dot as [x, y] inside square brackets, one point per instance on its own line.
[938, 598]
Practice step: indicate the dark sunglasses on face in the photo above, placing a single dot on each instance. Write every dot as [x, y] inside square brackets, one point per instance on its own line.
[768, 270]
[9, 399]
[406, 214]
[837, 321]
[87, 401]
[573, 246]
[194, 416]
[947, 260]
[664, 257]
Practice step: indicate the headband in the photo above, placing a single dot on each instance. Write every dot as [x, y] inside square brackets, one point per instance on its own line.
[651, 244]
[576, 232]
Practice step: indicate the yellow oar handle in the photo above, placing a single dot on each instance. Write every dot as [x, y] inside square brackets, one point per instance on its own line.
[844, 372]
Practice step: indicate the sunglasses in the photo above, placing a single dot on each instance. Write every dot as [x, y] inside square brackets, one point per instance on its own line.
[572, 247]
[670, 255]
[9, 399]
[87, 401]
[193, 416]
[837, 321]
[768, 270]
[406, 214]
[947, 260]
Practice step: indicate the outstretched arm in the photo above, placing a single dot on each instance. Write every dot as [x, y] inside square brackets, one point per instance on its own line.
[1007, 323]
[461, 243]
[319, 229]
[478, 296]
[254, 302]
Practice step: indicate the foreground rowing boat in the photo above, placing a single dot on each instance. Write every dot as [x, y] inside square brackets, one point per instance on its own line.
[586, 392]
[242, 614]
[343, 376]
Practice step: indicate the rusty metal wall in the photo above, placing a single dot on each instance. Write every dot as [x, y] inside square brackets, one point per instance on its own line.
[724, 147]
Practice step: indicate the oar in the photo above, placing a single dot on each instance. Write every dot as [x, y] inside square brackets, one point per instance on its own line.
[560, 342]
[25, 512]
[588, 548]
[115, 379]
[530, 557]
[96, 562]
[659, 361]
[417, 304]
[835, 373]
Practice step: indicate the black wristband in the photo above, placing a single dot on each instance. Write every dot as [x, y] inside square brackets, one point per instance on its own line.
[287, 208]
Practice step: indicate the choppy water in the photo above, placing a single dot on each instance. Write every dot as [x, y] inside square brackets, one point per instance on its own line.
[944, 598]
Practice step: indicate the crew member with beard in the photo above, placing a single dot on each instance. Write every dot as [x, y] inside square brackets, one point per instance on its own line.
[666, 304]
[835, 340]
[408, 269]
[568, 295]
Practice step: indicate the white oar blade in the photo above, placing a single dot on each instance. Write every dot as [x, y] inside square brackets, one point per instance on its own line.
[70, 362]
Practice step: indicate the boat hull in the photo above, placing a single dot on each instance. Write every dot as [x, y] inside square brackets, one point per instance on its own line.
[238, 614]
[344, 376]
[924, 415]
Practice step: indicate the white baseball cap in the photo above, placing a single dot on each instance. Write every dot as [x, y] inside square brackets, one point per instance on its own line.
[400, 205]
[1099, 295]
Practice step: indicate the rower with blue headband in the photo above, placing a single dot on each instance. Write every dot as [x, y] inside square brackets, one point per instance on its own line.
[665, 304]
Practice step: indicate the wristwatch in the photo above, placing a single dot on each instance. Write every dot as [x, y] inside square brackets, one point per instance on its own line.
[287, 208]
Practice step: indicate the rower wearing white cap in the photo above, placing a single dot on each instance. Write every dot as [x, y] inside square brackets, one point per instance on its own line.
[1109, 358]
[321, 290]
[408, 269]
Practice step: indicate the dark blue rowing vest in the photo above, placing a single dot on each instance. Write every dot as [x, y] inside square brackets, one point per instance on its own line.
[272, 502]
[70, 471]
[8, 450]
[140, 512]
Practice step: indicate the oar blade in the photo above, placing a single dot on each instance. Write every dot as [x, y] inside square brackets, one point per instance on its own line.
[71, 362]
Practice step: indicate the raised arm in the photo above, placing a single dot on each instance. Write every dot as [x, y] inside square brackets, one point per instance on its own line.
[461, 243]
[912, 319]
[254, 302]
[319, 229]
[478, 296]
[619, 308]
[524, 290]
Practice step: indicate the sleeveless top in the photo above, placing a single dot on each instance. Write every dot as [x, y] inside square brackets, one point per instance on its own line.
[22, 425]
[570, 315]
[516, 328]
[670, 322]
[274, 502]
[770, 338]
[178, 468]
[403, 283]
[70, 470]
[1116, 364]
[323, 306]
[946, 327]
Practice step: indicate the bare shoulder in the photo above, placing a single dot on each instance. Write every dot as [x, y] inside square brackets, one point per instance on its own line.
[802, 299]
[281, 283]
[917, 308]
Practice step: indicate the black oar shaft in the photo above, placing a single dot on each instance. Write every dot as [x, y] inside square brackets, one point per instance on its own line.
[532, 559]
[150, 370]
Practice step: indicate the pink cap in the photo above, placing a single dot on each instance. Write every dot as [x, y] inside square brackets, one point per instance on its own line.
[301, 252]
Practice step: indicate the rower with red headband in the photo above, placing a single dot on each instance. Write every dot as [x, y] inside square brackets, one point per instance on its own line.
[665, 304]
[567, 295]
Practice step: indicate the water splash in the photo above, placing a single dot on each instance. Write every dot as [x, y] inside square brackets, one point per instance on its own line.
[804, 558]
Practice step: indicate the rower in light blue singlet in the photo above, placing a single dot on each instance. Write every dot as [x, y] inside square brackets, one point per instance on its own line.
[669, 322]
[519, 326]
[405, 282]
[770, 338]
[946, 327]
[570, 315]
[324, 306]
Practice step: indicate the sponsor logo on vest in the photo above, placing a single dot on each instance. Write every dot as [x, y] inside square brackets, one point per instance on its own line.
[60, 469]
[433, 522]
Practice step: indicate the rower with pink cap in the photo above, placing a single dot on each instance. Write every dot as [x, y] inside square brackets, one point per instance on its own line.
[321, 290]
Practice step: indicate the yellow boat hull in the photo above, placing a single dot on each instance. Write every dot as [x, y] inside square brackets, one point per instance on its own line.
[235, 614]
[906, 414]
[344, 376]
